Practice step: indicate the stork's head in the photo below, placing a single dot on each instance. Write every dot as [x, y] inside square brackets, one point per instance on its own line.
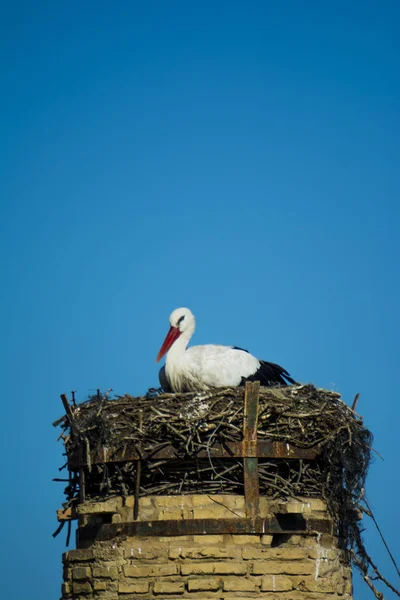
[182, 321]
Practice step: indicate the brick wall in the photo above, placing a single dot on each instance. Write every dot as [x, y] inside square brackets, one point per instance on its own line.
[284, 567]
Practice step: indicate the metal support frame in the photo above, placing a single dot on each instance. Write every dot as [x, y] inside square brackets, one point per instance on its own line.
[250, 462]
[250, 450]
[280, 524]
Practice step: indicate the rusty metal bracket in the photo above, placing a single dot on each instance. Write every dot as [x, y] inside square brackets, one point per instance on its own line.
[250, 462]
[264, 449]
[279, 524]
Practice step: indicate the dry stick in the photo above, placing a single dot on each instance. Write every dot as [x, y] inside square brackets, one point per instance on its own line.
[364, 568]
[74, 431]
[367, 579]
[228, 470]
[137, 490]
[356, 397]
[381, 577]
[82, 490]
[59, 528]
[68, 533]
[370, 448]
[371, 514]
[58, 422]
[224, 505]
[69, 413]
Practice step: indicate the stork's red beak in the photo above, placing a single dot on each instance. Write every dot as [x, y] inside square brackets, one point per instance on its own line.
[172, 335]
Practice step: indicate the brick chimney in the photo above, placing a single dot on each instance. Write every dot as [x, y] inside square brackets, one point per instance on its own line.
[150, 558]
[138, 545]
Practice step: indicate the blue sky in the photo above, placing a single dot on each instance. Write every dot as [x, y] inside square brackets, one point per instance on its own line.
[239, 158]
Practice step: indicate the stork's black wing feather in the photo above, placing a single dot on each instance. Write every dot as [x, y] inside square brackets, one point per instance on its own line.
[270, 374]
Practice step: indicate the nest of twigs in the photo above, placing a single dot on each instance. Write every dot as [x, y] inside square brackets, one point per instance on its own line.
[300, 415]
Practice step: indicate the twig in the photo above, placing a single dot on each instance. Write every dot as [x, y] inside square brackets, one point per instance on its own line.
[371, 514]
[353, 406]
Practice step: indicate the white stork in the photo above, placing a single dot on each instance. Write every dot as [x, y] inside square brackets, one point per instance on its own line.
[202, 368]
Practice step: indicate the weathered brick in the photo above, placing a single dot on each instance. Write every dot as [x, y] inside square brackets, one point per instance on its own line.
[130, 501]
[326, 586]
[266, 540]
[227, 502]
[323, 553]
[210, 513]
[169, 587]
[67, 573]
[296, 567]
[66, 588]
[124, 515]
[81, 573]
[113, 563]
[243, 540]
[146, 502]
[204, 596]
[175, 539]
[348, 586]
[108, 506]
[215, 568]
[147, 514]
[116, 518]
[293, 507]
[253, 553]
[105, 572]
[82, 588]
[208, 539]
[327, 568]
[205, 584]
[156, 570]
[293, 540]
[276, 583]
[239, 584]
[200, 500]
[213, 552]
[146, 552]
[274, 553]
[99, 586]
[315, 504]
[251, 596]
[230, 568]
[168, 514]
[205, 568]
[138, 587]
[170, 501]
[78, 555]
[326, 540]
[108, 553]
[194, 552]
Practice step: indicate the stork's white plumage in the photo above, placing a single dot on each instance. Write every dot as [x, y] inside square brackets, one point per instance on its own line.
[202, 368]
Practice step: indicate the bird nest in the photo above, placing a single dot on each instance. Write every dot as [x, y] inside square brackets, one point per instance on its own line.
[185, 445]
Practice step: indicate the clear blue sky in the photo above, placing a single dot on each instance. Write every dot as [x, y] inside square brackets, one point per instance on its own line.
[239, 158]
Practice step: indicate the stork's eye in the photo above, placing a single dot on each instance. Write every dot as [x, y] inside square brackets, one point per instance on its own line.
[180, 320]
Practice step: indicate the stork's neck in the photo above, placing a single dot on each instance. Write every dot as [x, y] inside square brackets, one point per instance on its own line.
[178, 348]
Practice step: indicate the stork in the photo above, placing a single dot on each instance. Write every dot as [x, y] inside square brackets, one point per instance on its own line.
[202, 368]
